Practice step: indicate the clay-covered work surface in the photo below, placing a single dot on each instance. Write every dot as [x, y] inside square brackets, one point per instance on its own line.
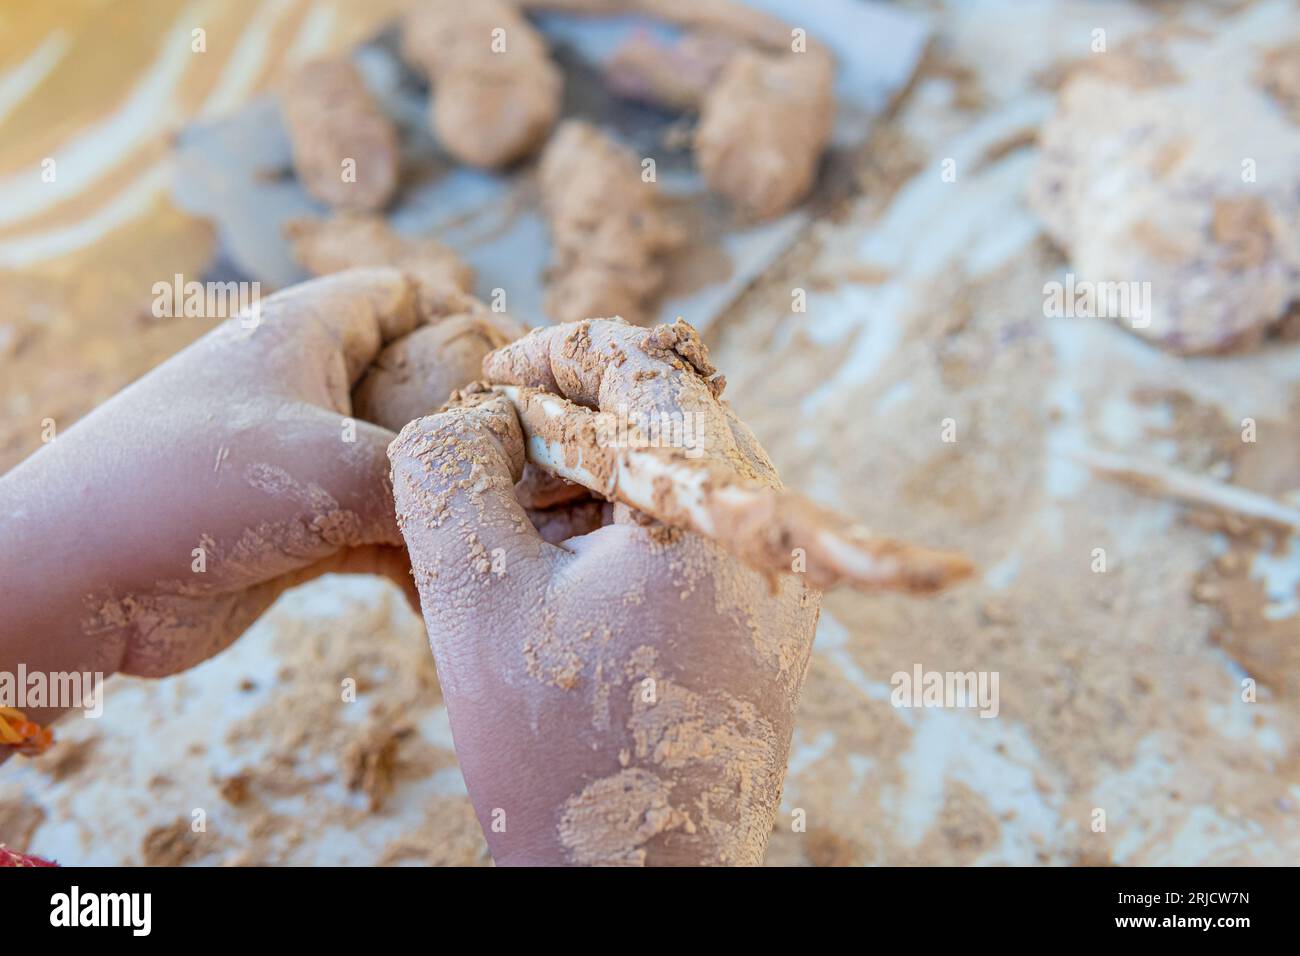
[1119, 690]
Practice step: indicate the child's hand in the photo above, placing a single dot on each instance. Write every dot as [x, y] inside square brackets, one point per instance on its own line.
[629, 695]
[154, 532]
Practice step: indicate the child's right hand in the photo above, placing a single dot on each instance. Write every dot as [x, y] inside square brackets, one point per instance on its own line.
[627, 696]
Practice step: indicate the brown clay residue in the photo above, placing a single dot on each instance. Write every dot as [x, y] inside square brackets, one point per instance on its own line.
[67, 757]
[371, 760]
[236, 789]
[1204, 436]
[1158, 243]
[19, 819]
[822, 846]
[1279, 75]
[1243, 226]
[1132, 69]
[610, 822]
[1265, 647]
[680, 345]
[448, 835]
[173, 844]
[1012, 143]
[963, 830]
[721, 740]
[578, 434]
[557, 658]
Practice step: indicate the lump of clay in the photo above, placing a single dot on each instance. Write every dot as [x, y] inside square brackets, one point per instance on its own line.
[495, 92]
[763, 129]
[414, 375]
[352, 241]
[345, 150]
[608, 233]
[1178, 164]
[766, 110]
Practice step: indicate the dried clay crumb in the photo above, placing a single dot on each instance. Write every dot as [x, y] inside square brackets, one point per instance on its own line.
[371, 762]
[19, 819]
[235, 789]
[173, 844]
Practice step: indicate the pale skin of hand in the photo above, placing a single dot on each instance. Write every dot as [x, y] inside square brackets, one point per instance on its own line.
[624, 696]
[238, 446]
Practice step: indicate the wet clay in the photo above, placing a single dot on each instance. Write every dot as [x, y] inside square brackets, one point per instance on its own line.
[496, 93]
[721, 487]
[607, 229]
[345, 151]
[415, 375]
[323, 246]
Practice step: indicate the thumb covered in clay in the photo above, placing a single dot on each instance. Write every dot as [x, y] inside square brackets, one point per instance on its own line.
[647, 376]
[473, 549]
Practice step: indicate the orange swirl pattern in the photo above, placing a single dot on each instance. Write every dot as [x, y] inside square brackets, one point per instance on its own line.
[92, 94]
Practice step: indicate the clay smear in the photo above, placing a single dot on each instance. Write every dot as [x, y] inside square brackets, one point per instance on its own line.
[611, 820]
[1279, 75]
[730, 752]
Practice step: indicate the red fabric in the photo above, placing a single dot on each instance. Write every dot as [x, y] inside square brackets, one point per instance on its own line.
[10, 858]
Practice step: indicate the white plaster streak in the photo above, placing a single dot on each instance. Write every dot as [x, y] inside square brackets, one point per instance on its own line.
[19, 82]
